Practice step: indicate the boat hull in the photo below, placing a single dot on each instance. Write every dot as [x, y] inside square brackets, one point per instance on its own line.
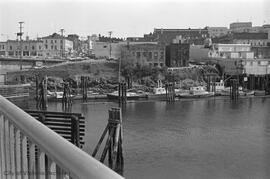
[114, 97]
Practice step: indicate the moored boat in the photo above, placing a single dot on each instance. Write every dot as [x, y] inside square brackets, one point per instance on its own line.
[196, 92]
[130, 95]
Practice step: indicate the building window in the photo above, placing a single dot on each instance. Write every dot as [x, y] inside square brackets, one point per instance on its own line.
[155, 55]
[55, 41]
[39, 47]
[162, 55]
[46, 41]
[52, 41]
[52, 47]
[150, 55]
[61, 41]
[144, 54]
[138, 54]
[33, 48]
[55, 47]
[46, 46]
[61, 47]
[10, 47]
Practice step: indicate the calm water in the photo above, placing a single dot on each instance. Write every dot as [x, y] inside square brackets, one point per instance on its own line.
[188, 139]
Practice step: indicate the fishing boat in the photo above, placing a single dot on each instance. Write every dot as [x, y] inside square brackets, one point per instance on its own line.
[196, 92]
[130, 95]
[57, 95]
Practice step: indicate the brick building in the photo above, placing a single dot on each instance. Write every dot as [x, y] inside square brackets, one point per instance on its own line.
[177, 54]
[166, 36]
[144, 54]
[254, 39]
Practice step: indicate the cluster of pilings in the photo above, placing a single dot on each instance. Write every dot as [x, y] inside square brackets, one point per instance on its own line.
[129, 82]
[66, 99]
[252, 82]
[122, 93]
[41, 93]
[113, 147]
[234, 89]
[211, 83]
[261, 82]
[170, 91]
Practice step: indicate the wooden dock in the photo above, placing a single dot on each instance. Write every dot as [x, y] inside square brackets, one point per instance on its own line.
[15, 91]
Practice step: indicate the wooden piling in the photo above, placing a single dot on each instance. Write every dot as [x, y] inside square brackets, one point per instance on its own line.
[234, 89]
[170, 91]
[113, 147]
[84, 87]
[66, 98]
[41, 94]
[122, 93]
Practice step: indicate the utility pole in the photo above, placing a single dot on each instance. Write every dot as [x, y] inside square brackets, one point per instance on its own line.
[20, 35]
[110, 34]
[62, 43]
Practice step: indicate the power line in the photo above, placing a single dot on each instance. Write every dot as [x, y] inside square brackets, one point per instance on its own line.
[20, 35]
[110, 34]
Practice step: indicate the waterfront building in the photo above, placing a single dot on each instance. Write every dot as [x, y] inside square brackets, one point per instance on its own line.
[56, 46]
[191, 36]
[29, 48]
[230, 51]
[152, 55]
[177, 54]
[261, 52]
[256, 67]
[254, 39]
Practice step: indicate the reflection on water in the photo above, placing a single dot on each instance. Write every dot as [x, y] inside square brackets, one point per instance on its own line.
[188, 139]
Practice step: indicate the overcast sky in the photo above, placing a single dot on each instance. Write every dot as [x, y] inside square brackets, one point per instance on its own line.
[124, 17]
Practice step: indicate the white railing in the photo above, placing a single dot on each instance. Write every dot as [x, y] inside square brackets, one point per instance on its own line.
[30, 150]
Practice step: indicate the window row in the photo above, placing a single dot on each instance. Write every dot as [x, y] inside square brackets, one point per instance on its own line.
[53, 41]
[149, 55]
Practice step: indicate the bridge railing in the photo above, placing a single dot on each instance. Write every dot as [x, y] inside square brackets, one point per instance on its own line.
[30, 150]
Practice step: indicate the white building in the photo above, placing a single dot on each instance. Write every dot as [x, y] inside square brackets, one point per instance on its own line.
[256, 67]
[231, 51]
[29, 48]
[56, 45]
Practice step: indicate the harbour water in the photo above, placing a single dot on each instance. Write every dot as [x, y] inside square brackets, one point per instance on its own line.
[206, 138]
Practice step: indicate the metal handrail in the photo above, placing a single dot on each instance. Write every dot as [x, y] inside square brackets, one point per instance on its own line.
[69, 157]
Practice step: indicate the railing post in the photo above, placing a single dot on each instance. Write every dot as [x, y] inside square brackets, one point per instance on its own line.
[51, 173]
[7, 148]
[12, 152]
[18, 154]
[41, 164]
[32, 160]
[2, 148]
[24, 160]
